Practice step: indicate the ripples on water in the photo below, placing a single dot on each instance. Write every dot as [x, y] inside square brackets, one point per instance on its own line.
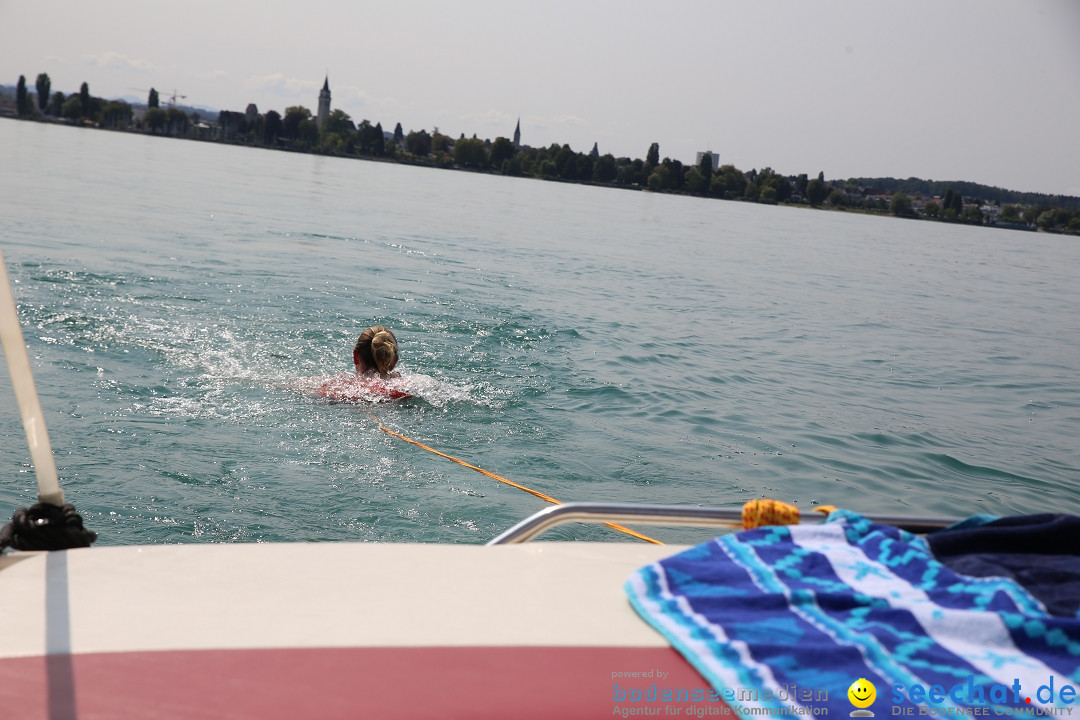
[180, 301]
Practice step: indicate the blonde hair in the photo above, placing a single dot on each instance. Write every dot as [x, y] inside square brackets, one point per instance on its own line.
[376, 349]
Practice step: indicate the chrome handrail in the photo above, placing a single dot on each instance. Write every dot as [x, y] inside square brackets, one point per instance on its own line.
[675, 515]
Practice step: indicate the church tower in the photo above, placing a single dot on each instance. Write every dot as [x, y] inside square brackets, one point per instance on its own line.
[517, 134]
[324, 104]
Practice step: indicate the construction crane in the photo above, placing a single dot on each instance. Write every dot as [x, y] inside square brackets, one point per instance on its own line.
[170, 99]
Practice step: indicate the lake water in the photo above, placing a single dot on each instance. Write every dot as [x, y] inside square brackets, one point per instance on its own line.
[179, 298]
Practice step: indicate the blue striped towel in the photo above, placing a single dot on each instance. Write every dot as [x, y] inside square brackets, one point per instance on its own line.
[783, 620]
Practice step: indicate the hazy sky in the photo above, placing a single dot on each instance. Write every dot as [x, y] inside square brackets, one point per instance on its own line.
[981, 90]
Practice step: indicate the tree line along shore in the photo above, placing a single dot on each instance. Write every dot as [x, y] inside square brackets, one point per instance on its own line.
[336, 134]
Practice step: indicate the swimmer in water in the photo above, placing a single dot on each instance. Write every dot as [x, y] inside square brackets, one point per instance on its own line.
[376, 352]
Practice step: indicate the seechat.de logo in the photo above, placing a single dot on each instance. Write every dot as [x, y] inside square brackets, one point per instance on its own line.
[862, 694]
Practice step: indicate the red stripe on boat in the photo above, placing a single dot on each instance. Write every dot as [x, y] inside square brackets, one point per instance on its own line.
[382, 682]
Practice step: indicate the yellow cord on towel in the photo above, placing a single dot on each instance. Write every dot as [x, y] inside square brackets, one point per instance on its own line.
[758, 513]
[511, 483]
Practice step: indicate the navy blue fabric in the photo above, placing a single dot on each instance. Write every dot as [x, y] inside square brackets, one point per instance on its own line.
[1040, 552]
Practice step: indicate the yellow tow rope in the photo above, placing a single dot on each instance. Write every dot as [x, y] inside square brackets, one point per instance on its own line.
[511, 483]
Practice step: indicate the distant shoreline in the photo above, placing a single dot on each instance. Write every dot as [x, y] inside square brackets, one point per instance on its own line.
[869, 196]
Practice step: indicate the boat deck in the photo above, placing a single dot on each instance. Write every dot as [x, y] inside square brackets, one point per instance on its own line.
[329, 630]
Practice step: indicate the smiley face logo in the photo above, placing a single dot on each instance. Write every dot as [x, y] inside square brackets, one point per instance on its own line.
[862, 694]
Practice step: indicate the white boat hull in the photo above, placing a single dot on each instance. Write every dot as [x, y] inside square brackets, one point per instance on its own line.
[325, 630]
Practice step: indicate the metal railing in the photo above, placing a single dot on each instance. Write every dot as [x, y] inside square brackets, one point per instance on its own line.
[675, 516]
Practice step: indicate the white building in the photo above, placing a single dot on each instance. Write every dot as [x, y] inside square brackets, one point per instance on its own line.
[714, 156]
